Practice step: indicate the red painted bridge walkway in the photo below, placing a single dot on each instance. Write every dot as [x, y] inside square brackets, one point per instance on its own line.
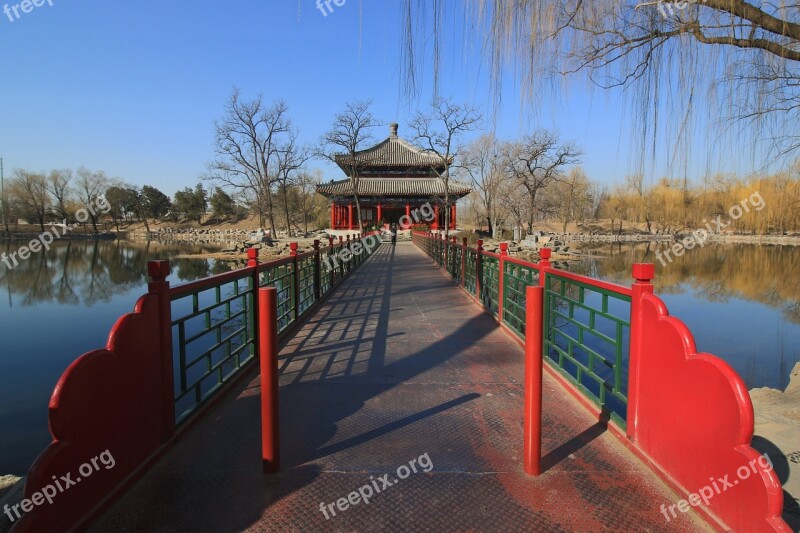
[397, 365]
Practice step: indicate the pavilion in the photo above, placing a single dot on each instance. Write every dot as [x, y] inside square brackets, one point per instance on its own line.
[395, 178]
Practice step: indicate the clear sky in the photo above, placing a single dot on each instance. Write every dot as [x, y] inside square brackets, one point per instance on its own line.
[134, 88]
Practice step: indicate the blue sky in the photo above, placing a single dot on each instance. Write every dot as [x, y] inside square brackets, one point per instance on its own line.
[134, 88]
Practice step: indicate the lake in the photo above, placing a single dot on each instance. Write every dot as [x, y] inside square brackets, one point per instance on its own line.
[742, 302]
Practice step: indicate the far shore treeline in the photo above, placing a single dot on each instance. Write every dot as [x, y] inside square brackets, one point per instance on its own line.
[522, 182]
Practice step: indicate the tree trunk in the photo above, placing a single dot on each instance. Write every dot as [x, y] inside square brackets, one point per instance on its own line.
[286, 210]
[270, 210]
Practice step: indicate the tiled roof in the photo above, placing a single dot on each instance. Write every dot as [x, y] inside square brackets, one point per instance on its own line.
[393, 152]
[392, 187]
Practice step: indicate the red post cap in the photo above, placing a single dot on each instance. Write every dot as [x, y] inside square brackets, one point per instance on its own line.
[545, 253]
[158, 270]
[644, 272]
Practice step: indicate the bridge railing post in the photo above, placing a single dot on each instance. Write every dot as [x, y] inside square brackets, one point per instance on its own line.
[479, 270]
[453, 247]
[158, 284]
[317, 272]
[295, 280]
[532, 424]
[464, 262]
[252, 262]
[268, 360]
[643, 274]
[501, 292]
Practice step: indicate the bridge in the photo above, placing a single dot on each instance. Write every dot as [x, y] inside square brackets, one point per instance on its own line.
[405, 403]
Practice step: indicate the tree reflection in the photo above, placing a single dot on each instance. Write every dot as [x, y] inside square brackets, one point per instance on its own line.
[88, 272]
[717, 273]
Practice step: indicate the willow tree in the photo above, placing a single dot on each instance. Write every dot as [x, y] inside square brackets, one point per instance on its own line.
[741, 58]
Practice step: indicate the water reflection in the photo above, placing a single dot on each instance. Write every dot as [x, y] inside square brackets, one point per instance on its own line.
[60, 304]
[87, 272]
[741, 302]
[716, 273]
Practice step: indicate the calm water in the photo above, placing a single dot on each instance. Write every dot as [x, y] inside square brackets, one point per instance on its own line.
[742, 303]
[58, 305]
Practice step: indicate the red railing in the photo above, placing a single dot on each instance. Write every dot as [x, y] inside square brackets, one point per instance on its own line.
[122, 399]
[688, 416]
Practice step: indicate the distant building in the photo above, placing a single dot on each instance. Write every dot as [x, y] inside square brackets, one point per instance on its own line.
[395, 177]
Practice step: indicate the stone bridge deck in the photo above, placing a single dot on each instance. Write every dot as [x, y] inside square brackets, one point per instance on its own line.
[398, 367]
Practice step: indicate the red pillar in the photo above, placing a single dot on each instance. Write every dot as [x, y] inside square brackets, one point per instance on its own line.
[643, 273]
[501, 293]
[350, 216]
[532, 434]
[333, 215]
[268, 355]
[453, 216]
[408, 210]
[436, 216]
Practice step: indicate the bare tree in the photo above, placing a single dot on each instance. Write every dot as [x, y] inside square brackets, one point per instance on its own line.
[290, 158]
[481, 165]
[247, 140]
[572, 197]
[439, 129]
[744, 55]
[59, 186]
[350, 134]
[29, 189]
[89, 187]
[537, 161]
[306, 185]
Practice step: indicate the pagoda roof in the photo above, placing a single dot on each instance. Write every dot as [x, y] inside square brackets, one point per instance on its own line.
[420, 187]
[393, 152]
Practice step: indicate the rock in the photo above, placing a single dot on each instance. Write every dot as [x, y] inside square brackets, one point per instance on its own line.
[777, 430]
[11, 493]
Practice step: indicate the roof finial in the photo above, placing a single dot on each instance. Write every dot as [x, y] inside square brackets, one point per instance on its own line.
[393, 129]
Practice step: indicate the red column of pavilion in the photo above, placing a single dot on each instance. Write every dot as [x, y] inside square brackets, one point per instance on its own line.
[350, 216]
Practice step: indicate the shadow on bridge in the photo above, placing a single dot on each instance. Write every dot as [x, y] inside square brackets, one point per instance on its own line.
[398, 363]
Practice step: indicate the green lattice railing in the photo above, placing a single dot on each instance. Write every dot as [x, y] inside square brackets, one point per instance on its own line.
[213, 320]
[516, 277]
[585, 338]
[490, 282]
[586, 323]
[213, 336]
[470, 271]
